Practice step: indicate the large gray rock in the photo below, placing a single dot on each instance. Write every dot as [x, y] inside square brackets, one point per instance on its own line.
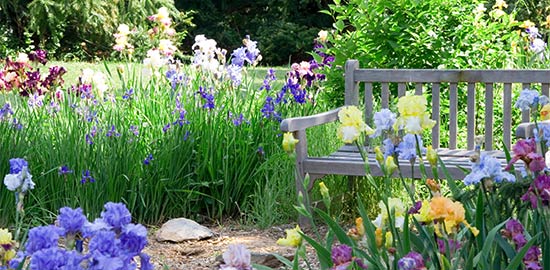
[182, 229]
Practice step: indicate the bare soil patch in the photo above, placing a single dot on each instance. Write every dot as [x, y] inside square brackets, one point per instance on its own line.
[197, 255]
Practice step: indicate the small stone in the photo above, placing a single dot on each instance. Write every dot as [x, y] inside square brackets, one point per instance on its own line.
[182, 229]
[265, 259]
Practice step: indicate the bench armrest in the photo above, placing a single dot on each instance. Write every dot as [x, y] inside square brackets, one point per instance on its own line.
[301, 123]
[525, 130]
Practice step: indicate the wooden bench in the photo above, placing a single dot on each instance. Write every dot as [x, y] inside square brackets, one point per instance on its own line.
[378, 84]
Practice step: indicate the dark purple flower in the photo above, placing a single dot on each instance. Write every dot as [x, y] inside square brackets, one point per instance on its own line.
[116, 215]
[452, 244]
[63, 170]
[128, 95]
[71, 220]
[166, 128]
[55, 77]
[519, 239]
[514, 227]
[6, 112]
[341, 256]
[539, 190]
[208, 98]
[112, 132]
[87, 177]
[269, 78]
[39, 56]
[31, 83]
[89, 139]
[134, 130]
[17, 164]
[16, 124]
[415, 209]
[148, 159]
[411, 261]
[268, 110]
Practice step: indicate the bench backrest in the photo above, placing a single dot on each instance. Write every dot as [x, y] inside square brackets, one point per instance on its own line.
[436, 81]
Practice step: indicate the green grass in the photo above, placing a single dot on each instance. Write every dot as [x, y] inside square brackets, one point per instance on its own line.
[204, 168]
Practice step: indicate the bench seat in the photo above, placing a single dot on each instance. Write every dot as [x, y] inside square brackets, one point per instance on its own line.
[347, 161]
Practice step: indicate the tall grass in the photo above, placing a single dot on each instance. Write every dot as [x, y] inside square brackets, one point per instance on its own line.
[203, 165]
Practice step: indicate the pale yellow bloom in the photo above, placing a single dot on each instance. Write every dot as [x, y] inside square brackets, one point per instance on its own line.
[389, 239]
[411, 105]
[480, 9]
[545, 112]
[348, 134]
[424, 213]
[350, 116]
[5, 237]
[123, 29]
[398, 208]
[352, 124]
[289, 142]
[412, 115]
[22, 58]
[293, 238]
[527, 24]
[390, 165]
[323, 34]
[359, 225]
[10, 254]
[324, 190]
[500, 4]
[379, 156]
[431, 155]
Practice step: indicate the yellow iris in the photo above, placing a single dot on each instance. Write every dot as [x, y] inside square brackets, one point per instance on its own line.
[352, 124]
[545, 112]
[5, 237]
[289, 142]
[293, 238]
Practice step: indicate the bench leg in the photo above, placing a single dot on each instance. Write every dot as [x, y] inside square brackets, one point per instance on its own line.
[303, 191]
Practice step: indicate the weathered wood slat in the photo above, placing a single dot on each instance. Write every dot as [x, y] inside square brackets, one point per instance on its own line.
[488, 116]
[354, 165]
[352, 85]
[453, 120]
[471, 114]
[437, 75]
[436, 115]
[301, 123]
[525, 115]
[507, 115]
[401, 89]
[418, 88]
[385, 95]
[545, 89]
[369, 102]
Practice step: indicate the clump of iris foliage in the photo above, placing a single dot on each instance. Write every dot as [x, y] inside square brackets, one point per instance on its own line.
[475, 223]
[73, 242]
[174, 139]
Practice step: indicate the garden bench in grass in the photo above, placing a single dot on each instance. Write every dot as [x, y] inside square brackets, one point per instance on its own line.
[377, 83]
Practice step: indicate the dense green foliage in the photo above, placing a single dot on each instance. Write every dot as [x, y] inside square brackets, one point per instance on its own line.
[74, 29]
[284, 29]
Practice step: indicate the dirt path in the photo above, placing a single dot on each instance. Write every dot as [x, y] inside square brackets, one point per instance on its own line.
[198, 255]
